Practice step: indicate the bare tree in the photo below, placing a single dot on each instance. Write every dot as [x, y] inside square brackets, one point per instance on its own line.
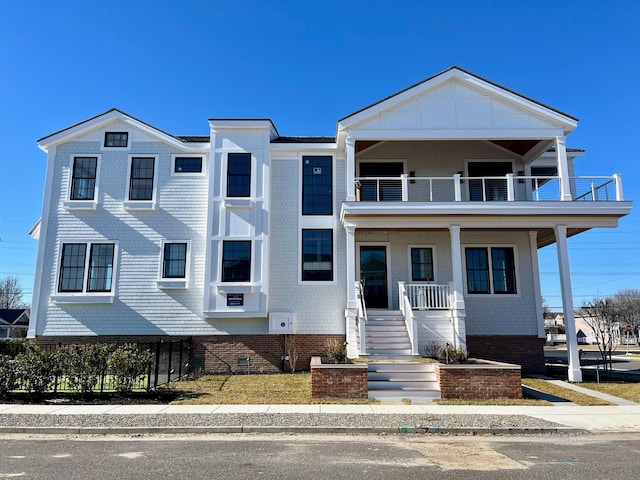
[602, 317]
[627, 303]
[10, 293]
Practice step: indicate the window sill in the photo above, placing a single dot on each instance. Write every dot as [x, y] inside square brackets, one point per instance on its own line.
[172, 284]
[82, 298]
[238, 203]
[139, 205]
[81, 205]
[237, 287]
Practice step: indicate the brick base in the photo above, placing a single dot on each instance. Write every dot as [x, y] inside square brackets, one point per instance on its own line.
[526, 351]
[479, 381]
[220, 353]
[341, 381]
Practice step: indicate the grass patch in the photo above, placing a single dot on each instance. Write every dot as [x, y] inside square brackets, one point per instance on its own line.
[251, 389]
[571, 395]
[628, 391]
[531, 402]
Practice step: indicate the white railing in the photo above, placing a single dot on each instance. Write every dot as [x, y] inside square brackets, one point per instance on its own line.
[429, 296]
[362, 318]
[507, 188]
[409, 320]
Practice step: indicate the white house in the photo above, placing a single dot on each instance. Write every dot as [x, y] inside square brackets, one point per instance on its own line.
[418, 222]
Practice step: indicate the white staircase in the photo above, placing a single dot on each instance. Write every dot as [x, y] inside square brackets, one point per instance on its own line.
[402, 381]
[386, 335]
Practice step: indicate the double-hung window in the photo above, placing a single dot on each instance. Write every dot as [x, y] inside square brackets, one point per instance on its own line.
[83, 178]
[86, 268]
[141, 178]
[490, 270]
[422, 264]
[239, 175]
[317, 255]
[174, 260]
[317, 185]
[236, 261]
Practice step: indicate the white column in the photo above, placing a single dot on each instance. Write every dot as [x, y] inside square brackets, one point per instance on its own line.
[352, 301]
[460, 337]
[511, 189]
[456, 187]
[351, 169]
[404, 178]
[618, 179]
[563, 168]
[537, 291]
[575, 374]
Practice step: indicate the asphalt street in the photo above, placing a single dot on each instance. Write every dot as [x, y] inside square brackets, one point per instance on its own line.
[234, 457]
[621, 361]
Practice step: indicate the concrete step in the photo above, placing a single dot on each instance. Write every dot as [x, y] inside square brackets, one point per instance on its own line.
[383, 311]
[406, 366]
[404, 385]
[391, 352]
[387, 333]
[385, 321]
[402, 376]
[403, 397]
[389, 339]
[386, 328]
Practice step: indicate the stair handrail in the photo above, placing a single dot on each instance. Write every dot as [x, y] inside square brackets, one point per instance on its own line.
[362, 317]
[409, 319]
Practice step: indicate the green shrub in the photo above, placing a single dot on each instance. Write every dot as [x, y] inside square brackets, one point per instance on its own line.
[36, 368]
[451, 354]
[7, 375]
[13, 347]
[85, 364]
[127, 364]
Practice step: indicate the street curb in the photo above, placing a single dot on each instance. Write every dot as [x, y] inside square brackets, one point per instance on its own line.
[284, 429]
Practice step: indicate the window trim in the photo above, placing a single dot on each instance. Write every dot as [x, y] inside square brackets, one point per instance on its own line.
[251, 257]
[86, 296]
[226, 177]
[410, 262]
[120, 129]
[174, 282]
[112, 132]
[142, 204]
[488, 247]
[302, 157]
[333, 280]
[175, 156]
[70, 204]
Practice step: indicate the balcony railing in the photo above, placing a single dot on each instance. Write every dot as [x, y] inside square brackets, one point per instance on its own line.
[508, 188]
[428, 296]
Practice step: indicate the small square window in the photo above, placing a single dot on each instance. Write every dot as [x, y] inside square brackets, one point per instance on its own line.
[188, 165]
[116, 139]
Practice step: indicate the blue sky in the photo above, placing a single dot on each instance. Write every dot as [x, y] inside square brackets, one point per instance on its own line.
[306, 64]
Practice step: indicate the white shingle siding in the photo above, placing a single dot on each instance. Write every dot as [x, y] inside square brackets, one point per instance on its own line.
[139, 308]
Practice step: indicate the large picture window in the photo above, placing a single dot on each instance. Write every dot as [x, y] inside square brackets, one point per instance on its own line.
[317, 255]
[239, 175]
[490, 270]
[83, 182]
[236, 261]
[317, 185]
[98, 270]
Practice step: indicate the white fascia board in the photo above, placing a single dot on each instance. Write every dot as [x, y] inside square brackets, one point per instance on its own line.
[456, 134]
[35, 230]
[110, 117]
[216, 124]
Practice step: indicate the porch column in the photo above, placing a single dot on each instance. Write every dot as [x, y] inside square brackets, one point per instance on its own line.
[537, 291]
[351, 169]
[575, 374]
[351, 312]
[563, 168]
[458, 308]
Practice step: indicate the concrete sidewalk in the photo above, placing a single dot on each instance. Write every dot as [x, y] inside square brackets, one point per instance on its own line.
[569, 418]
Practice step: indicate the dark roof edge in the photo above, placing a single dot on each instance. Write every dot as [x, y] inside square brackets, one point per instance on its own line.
[468, 73]
[304, 139]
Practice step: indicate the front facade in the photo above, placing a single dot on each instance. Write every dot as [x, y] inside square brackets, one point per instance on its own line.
[428, 206]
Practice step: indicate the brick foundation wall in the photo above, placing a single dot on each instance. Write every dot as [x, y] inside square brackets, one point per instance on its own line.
[342, 381]
[526, 351]
[479, 381]
[219, 353]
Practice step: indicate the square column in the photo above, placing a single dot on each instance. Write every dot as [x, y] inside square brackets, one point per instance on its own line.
[563, 168]
[575, 373]
[457, 289]
[353, 329]
[351, 169]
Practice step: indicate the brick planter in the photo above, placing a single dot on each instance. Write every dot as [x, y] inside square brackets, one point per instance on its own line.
[484, 379]
[338, 380]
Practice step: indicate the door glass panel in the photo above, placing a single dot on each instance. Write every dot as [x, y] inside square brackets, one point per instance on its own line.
[488, 190]
[381, 190]
[373, 273]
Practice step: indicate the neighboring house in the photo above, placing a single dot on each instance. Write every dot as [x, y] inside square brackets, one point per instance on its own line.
[14, 323]
[427, 207]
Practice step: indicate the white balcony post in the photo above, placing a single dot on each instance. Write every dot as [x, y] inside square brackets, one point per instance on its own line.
[351, 169]
[458, 312]
[575, 373]
[405, 187]
[511, 189]
[563, 169]
[457, 188]
[537, 290]
[618, 179]
[352, 300]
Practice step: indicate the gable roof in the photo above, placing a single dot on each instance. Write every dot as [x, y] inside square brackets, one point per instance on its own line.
[14, 316]
[109, 116]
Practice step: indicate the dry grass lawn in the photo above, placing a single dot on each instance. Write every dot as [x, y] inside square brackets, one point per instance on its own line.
[251, 390]
[628, 391]
[571, 395]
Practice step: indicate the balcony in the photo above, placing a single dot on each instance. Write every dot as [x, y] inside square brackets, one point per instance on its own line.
[509, 188]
